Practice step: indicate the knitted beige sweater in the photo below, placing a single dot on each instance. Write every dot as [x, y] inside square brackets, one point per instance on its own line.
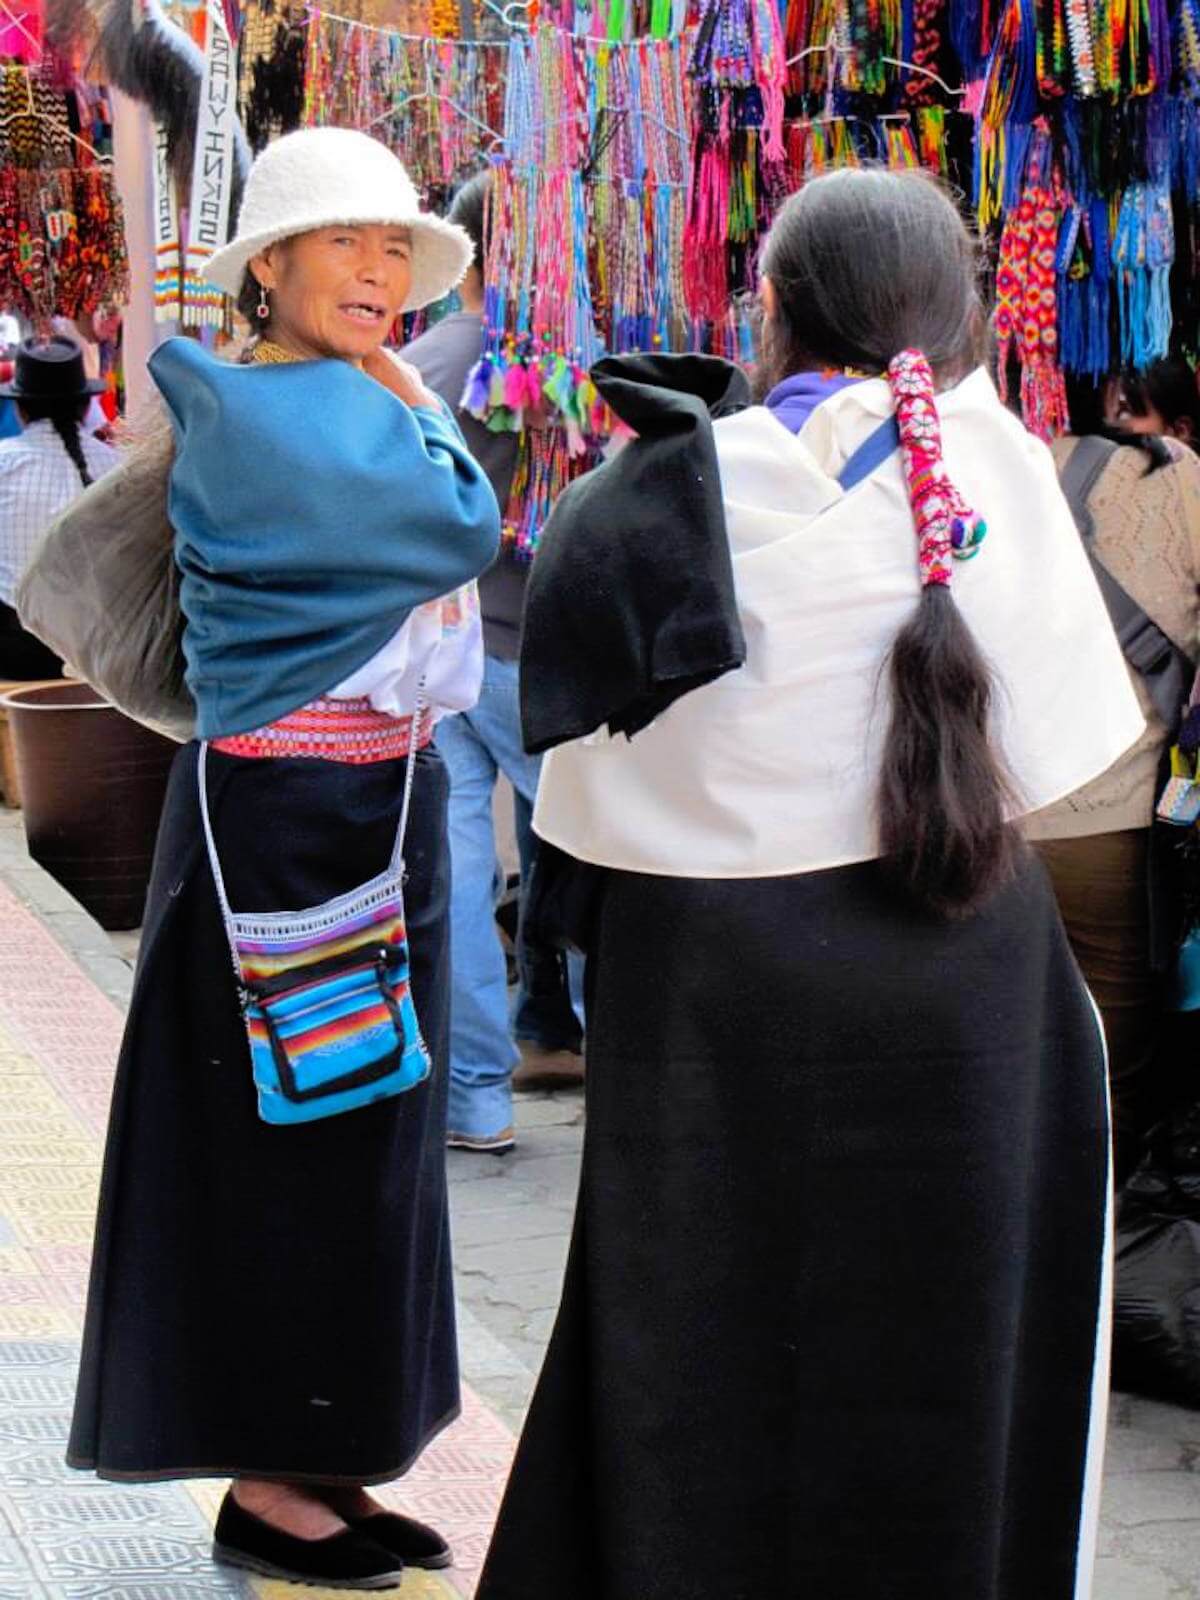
[1148, 537]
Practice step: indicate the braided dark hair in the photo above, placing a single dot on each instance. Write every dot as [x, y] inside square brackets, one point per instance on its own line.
[65, 416]
[865, 263]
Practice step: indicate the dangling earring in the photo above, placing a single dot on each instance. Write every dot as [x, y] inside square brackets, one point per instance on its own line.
[264, 305]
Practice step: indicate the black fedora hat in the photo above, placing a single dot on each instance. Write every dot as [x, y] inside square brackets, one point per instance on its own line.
[50, 369]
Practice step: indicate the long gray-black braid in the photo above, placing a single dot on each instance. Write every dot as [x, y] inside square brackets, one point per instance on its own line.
[66, 417]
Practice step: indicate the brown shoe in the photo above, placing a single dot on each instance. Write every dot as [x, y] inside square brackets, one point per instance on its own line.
[547, 1069]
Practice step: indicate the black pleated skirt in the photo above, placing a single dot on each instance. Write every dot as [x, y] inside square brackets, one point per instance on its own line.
[831, 1321]
[275, 1301]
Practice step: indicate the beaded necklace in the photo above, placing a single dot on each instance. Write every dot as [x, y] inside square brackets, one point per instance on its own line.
[1052, 50]
[266, 353]
[1187, 48]
[62, 241]
[1083, 49]
[925, 49]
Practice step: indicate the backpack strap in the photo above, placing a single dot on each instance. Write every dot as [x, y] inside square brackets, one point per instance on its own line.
[1164, 668]
[1079, 477]
[875, 449]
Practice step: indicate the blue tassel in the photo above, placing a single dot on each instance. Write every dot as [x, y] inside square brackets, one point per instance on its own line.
[1158, 317]
[1101, 246]
[965, 31]
[1070, 325]
[1019, 137]
[907, 29]
[476, 394]
[1025, 103]
[1068, 238]
[1075, 166]
[1099, 346]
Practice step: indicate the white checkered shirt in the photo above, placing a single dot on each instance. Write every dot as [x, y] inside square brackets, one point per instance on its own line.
[37, 479]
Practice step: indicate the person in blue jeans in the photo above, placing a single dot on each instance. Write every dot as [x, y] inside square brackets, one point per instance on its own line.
[542, 1042]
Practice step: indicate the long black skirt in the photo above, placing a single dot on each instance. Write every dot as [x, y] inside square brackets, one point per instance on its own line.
[831, 1321]
[274, 1301]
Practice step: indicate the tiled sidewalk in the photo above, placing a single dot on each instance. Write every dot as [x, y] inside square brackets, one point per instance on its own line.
[63, 1535]
[63, 988]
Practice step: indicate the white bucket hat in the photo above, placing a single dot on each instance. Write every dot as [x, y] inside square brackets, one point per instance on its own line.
[319, 177]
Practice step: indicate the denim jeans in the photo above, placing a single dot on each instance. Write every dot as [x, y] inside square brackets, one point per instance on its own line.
[477, 746]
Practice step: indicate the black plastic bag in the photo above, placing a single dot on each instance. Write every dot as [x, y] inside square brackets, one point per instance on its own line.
[1156, 1327]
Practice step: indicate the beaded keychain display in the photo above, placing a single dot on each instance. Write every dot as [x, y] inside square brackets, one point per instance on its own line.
[62, 235]
[438, 102]
[62, 242]
[738, 66]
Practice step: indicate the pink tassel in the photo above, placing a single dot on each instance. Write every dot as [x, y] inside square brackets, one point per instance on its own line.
[514, 387]
[775, 105]
[704, 236]
[576, 443]
[1044, 400]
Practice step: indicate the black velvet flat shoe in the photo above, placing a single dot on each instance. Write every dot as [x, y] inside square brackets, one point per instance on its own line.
[346, 1560]
[407, 1539]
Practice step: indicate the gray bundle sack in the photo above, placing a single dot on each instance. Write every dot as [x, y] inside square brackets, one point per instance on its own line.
[102, 590]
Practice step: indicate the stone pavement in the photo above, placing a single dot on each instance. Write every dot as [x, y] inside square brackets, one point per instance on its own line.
[63, 984]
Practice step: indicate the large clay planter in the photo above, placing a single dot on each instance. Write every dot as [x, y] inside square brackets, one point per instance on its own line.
[92, 787]
[10, 781]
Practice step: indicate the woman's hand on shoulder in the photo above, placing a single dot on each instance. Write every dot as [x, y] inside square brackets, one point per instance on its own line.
[400, 377]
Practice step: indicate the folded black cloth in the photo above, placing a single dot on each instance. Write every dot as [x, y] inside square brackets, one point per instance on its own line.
[631, 601]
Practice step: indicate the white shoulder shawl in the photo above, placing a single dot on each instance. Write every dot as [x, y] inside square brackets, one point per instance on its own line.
[773, 768]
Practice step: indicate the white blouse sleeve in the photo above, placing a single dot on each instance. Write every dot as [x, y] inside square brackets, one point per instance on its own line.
[440, 644]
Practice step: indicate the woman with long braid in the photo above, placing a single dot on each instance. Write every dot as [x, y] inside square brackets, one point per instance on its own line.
[833, 1320]
[41, 472]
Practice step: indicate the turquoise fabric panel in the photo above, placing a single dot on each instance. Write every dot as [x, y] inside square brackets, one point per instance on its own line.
[1186, 983]
[313, 511]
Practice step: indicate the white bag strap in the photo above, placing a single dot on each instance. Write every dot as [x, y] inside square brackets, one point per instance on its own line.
[410, 772]
[213, 859]
[396, 864]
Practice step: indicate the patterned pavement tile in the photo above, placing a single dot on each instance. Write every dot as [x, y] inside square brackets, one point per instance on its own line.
[14, 1564]
[158, 1587]
[64, 1535]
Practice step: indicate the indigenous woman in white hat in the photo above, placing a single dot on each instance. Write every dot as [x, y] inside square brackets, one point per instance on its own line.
[271, 1297]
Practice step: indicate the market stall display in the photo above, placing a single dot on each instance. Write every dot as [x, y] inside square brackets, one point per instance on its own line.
[641, 148]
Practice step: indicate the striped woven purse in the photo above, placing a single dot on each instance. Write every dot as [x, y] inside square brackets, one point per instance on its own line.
[325, 992]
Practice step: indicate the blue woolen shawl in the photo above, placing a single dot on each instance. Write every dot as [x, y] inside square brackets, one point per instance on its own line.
[313, 510]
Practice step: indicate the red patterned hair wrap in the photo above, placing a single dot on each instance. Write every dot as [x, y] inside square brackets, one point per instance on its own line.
[946, 526]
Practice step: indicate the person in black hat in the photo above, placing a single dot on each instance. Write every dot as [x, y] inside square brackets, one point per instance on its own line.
[41, 472]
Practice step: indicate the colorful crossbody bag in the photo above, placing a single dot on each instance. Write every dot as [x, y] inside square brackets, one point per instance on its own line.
[325, 992]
